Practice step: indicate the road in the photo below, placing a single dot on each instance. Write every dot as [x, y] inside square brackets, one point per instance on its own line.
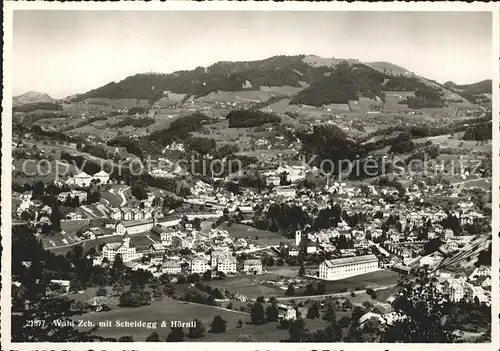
[471, 180]
[121, 193]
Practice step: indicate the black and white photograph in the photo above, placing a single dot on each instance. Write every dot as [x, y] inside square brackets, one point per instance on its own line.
[204, 176]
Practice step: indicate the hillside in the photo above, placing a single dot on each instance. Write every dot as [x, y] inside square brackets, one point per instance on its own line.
[388, 67]
[309, 80]
[484, 86]
[31, 97]
[479, 92]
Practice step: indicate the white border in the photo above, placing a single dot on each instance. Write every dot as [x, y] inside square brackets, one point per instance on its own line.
[9, 7]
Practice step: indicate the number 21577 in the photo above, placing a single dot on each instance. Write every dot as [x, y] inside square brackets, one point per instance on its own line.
[35, 323]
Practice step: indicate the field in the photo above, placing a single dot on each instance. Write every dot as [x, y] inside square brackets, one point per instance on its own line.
[166, 310]
[381, 278]
[254, 235]
[249, 285]
[169, 310]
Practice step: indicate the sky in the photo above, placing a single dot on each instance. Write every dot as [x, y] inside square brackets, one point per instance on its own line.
[66, 52]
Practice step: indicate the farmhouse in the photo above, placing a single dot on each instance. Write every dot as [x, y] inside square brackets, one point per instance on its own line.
[347, 267]
[101, 176]
[82, 179]
[286, 313]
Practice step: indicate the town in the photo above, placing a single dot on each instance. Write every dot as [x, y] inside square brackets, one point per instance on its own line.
[295, 198]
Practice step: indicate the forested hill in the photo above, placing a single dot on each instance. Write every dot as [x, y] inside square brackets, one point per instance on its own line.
[320, 81]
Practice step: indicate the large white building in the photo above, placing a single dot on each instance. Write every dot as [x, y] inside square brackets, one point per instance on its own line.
[226, 264]
[200, 265]
[127, 253]
[141, 226]
[341, 268]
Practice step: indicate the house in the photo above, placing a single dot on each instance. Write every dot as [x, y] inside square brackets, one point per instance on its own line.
[102, 177]
[287, 192]
[93, 233]
[171, 267]
[252, 266]
[200, 265]
[110, 250]
[156, 252]
[82, 179]
[127, 214]
[116, 214]
[287, 313]
[226, 264]
[273, 181]
[73, 216]
[341, 268]
[62, 283]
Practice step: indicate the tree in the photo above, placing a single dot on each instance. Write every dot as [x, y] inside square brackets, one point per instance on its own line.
[321, 289]
[207, 275]
[218, 325]
[127, 338]
[313, 311]
[118, 288]
[302, 270]
[257, 314]
[176, 335]
[118, 263]
[55, 218]
[181, 279]
[193, 278]
[344, 322]
[329, 314]
[153, 337]
[310, 289]
[198, 330]
[135, 298]
[372, 293]
[423, 314]
[298, 331]
[75, 285]
[272, 313]
[290, 291]
[101, 291]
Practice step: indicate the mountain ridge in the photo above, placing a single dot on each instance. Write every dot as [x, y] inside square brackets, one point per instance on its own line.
[31, 97]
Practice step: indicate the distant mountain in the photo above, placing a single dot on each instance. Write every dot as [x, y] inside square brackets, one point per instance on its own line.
[317, 81]
[473, 92]
[31, 97]
[484, 86]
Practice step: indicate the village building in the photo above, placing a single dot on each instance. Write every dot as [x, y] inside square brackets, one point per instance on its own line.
[93, 233]
[200, 265]
[144, 225]
[101, 176]
[226, 264]
[341, 268]
[128, 253]
[287, 313]
[171, 267]
[252, 266]
[82, 179]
